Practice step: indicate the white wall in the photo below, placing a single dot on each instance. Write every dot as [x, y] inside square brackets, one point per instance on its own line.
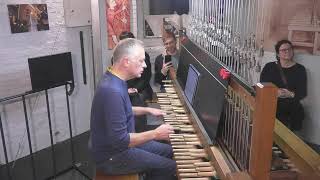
[312, 101]
[15, 49]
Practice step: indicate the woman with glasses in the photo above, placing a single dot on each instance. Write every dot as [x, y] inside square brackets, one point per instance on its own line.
[291, 79]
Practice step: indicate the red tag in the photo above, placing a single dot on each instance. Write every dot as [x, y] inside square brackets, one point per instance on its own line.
[224, 74]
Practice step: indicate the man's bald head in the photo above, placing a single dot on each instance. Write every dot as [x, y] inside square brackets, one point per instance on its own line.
[127, 48]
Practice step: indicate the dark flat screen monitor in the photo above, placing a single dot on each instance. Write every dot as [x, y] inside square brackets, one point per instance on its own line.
[50, 71]
[208, 103]
[192, 83]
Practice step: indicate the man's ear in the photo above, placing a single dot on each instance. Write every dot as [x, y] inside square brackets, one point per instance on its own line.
[125, 61]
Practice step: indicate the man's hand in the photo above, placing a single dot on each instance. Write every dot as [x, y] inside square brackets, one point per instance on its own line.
[165, 68]
[132, 90]
[163, 131]
[156, 112]
[285, 93]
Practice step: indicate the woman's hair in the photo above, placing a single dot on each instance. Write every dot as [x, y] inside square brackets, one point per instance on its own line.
[125, 35]
[279, 44]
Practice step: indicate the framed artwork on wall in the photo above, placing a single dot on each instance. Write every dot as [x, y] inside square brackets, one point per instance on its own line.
[28, 17]
[118, 20]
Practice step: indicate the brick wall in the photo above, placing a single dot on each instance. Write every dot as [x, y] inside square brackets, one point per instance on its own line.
[15, 49]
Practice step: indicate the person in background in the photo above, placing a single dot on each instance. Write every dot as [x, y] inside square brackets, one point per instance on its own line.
[114, 145]
[291, 79]
[139, 89]
[161, 67]
[140, 85]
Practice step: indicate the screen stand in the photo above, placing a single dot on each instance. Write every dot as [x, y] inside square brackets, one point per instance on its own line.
[70, 91]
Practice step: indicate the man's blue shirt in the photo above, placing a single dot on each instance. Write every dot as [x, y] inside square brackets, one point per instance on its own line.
[111, 118]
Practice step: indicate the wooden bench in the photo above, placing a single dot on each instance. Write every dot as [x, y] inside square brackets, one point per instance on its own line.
[101, 176]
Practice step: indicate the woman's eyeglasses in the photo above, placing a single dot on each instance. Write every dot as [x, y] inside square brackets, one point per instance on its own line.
[285, 50]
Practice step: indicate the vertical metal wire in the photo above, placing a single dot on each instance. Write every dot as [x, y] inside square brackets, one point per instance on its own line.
[51, 135]
[5, 149]
[29, 137]
[236, 129]
[70, 125]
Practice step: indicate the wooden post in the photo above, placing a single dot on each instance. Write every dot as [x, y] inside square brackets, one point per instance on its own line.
[262, 131]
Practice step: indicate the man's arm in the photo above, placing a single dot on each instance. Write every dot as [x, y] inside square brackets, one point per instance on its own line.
[138, 111]
[160, 133]
[158, 76]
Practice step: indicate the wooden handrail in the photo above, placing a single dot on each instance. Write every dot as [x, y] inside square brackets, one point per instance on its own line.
[303, 157]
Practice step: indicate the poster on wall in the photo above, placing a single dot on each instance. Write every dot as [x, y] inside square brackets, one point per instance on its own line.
[118, 20]
[298, 22]
[28, 17]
